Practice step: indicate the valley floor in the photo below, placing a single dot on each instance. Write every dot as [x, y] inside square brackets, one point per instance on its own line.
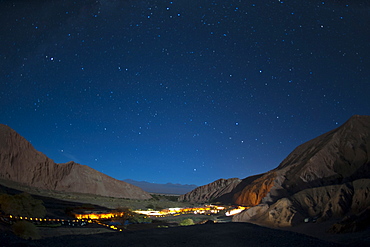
[222, 234]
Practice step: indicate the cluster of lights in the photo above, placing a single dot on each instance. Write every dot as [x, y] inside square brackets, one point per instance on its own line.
[99, 216]
[177, 211]
[90, 218]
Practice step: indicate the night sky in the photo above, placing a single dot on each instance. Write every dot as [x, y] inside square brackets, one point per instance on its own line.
[181, 91]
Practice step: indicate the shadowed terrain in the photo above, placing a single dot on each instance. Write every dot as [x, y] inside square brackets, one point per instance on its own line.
[224, 234]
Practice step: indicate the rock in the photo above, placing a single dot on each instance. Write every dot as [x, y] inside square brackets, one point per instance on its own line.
[282, 213]
[321, 204]
[352, 223]
[209, 192]
[21, 163]
[253, 193]
[249, 214]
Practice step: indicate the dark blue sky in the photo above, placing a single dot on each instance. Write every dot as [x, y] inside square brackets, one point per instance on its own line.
[181, 91]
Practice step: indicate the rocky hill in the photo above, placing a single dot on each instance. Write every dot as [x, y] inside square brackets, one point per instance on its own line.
[209, 192]
[339, 156]
[324, 178]
[21, 163]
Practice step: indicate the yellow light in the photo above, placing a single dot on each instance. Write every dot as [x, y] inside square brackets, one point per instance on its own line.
[235, 211]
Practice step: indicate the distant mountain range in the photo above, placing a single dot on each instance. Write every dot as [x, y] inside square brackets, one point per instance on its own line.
[168, 188]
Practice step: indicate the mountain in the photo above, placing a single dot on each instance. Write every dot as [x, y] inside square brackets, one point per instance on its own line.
[21, 163]
[210, 191]
[325, 178]
[168, 188]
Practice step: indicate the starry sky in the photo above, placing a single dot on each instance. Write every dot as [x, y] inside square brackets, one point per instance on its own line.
[181, 91]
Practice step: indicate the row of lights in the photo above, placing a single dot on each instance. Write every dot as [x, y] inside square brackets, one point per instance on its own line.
[111, 227]
[61, 220]
[12, 217]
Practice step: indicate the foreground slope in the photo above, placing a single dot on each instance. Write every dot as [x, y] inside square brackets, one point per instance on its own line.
[21, 163]
[215, 235]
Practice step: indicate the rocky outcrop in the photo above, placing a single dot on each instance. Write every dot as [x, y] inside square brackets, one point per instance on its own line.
[352, 223]
[322, 178]
[21, 163]
[318, 204]
[209, 192]
[255, 191]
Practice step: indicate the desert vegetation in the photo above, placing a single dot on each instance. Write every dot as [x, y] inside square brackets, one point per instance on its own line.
[187, 222]
[23, 204]
[26, 230]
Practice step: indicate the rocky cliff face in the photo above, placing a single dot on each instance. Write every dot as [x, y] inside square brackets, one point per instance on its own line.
[339, 156]
[319, 204]
[323, 178]
[209, 192]
[21, 163]
[252, 193]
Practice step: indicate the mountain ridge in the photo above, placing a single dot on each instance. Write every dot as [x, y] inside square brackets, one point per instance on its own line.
[20, 162]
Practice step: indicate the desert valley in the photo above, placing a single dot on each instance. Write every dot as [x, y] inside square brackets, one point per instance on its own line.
[318, 195]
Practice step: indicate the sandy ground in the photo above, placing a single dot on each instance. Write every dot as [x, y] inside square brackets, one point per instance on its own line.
[53, 232]
[223, 234]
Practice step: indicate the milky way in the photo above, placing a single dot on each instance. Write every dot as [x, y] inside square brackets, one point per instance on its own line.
[181, 91]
